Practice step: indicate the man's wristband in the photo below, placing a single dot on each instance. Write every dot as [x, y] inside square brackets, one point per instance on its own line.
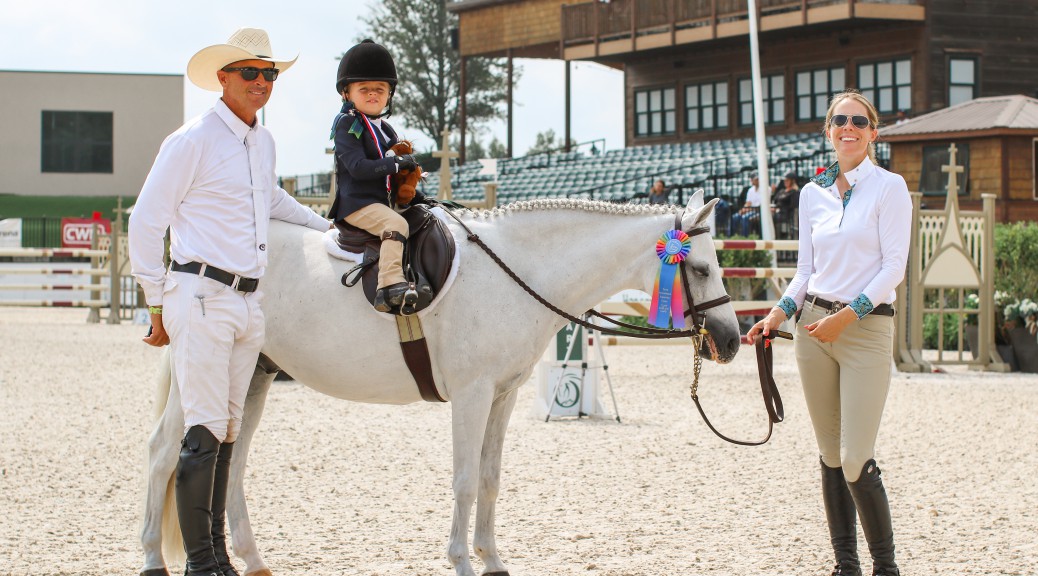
[154, 309]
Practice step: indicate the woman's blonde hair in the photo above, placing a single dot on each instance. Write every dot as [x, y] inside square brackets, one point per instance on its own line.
[870, 111]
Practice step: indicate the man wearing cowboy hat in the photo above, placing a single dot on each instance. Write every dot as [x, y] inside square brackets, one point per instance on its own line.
[213, 185]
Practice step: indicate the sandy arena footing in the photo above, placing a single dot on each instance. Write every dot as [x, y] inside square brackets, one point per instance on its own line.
[341, 488]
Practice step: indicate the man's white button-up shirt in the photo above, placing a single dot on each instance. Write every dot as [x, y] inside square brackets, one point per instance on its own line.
[213, 185]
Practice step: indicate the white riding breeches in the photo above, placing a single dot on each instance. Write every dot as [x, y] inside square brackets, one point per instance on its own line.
[216, 334]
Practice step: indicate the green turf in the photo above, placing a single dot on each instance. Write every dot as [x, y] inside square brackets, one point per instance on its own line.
[12, 206]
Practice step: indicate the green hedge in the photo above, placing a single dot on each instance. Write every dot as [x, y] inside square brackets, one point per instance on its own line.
[1016, 260]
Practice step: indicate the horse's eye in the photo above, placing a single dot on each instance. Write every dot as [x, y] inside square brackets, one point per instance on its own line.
[701, 270]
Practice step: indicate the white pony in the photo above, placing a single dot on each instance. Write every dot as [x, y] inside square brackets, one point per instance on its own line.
[485, 336]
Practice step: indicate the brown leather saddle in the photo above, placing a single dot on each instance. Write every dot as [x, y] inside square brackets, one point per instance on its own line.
[428, 255]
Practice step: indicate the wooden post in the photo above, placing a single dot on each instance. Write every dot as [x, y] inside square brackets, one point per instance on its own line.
[462, 120]
[94, 316]
[114, 292]
[511, 154]
[986, 317]
[568, 114]
[445, 155]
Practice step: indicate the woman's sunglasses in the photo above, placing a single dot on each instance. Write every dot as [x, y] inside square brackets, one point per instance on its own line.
[838, 120]
[249, 73]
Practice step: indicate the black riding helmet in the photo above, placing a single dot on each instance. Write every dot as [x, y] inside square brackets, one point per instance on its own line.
[367, 62]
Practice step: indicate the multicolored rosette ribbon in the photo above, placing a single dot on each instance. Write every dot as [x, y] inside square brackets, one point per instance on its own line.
[667, 307]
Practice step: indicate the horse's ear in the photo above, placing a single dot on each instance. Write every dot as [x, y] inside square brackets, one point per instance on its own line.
[696, 214]
[695, 201]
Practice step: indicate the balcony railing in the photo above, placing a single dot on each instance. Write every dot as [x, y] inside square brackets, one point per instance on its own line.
[642, 23]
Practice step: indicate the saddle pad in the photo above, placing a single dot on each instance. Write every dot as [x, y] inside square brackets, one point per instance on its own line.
[333, 249]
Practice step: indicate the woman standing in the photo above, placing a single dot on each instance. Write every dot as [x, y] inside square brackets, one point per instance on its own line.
[855, 222]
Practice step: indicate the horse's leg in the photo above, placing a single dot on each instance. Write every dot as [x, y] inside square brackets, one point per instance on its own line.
[243, 542]
[490, 481]
[163, 453]
[470, 409]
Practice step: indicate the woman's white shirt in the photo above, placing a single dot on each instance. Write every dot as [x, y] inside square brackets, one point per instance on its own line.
[860, 249]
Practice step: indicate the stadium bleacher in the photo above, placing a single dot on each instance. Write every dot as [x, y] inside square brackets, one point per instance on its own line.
[718, 166]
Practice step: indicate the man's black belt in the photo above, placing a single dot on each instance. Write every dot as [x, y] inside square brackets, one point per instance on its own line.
[239, 283]
[834, 307]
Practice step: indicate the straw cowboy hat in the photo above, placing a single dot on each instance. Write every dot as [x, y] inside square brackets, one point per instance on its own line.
[245, 44]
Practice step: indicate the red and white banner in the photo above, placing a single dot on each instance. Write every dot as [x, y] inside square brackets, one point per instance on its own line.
[77, 232]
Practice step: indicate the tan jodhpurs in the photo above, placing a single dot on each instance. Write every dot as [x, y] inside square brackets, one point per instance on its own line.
[845, 386]
[378, 219]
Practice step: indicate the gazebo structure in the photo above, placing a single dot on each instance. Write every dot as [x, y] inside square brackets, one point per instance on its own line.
[997, 142]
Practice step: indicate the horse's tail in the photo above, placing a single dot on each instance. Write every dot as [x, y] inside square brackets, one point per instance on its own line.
[172, 540]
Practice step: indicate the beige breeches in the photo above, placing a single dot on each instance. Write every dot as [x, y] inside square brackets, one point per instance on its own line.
[378, 219]
[845, 387]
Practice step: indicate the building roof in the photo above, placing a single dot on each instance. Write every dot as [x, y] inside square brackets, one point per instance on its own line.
[991, 114]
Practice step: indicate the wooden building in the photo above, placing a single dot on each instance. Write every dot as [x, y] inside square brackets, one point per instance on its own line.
[997, 145]
[687, 62]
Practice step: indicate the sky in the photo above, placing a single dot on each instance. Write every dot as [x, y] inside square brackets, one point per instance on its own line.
[151, 37]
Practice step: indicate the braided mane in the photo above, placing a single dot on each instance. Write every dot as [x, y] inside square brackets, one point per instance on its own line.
[569, 204]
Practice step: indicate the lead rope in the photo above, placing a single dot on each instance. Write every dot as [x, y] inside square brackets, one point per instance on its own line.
[769, 390]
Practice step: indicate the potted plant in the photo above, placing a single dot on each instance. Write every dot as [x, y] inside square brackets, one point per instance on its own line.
[1021, 327]
[1016, 284]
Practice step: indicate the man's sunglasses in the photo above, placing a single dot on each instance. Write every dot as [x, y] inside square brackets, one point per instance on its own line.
[838, 120]
[249, 73]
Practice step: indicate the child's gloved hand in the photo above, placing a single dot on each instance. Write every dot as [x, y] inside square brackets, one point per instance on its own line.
[406, 162]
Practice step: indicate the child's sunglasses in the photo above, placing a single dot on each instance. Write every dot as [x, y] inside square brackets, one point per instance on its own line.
[838, 120]
[249, 73]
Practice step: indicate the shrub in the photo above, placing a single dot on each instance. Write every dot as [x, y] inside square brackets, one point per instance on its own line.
[1016, 260]
[745, 288]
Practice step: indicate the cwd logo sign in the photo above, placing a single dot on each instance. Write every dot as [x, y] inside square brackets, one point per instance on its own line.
[78, 232]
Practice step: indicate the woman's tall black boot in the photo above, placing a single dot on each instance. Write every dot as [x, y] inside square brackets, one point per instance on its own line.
[223, 470]
[874, 510]
[194, 491]
[839, 511]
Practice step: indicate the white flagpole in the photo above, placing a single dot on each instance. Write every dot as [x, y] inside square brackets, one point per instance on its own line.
[767, 226]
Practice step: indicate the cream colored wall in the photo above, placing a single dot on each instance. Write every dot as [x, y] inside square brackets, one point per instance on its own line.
[145, 109]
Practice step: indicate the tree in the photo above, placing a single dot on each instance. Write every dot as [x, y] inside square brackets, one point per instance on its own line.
[497, 149]
[417, 33]
[546, 142]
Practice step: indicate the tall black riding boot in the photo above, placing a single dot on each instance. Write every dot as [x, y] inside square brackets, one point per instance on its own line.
[839, 511]
[223, 470]
[874, 510]
[194, 490]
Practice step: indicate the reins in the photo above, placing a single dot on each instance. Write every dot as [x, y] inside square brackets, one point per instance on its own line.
[772, 400]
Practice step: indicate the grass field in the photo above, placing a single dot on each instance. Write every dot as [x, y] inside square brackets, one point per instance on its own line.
[12, 206]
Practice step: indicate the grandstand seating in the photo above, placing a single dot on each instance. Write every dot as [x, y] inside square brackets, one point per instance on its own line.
[718, 166]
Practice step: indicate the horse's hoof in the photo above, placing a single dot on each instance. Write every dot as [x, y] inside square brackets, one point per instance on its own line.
[496, 574]
[155, 572]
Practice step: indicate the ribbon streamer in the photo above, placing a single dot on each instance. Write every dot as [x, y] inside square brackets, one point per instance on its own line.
[667, 306]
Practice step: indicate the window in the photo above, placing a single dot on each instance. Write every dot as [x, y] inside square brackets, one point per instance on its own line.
[773, 92]
[78, 142]
[962, 80]
[933, 181]
[654, 112]
[706, 106]
[888, 85]
[814, 88]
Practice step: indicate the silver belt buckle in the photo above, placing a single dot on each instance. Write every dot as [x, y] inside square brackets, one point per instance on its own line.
[836, 307]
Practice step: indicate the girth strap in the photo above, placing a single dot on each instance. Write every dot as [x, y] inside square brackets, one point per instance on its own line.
[416, 356]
